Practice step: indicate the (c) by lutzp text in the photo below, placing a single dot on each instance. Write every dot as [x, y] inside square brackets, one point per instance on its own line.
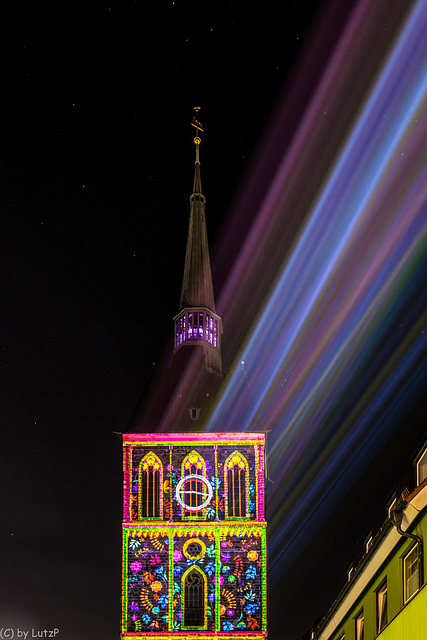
[8, 633]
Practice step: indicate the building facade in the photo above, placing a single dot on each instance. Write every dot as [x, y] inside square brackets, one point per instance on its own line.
[194, 530]
[386, 593]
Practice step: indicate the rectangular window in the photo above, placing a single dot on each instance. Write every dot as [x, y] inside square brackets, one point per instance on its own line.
[179, 331]
[382, 606]
[422, 468]
[190, 326]
[359, 626]
[411, 573]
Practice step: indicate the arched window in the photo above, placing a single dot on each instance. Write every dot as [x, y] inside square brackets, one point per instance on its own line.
[195, 490]
[150, 487]
[194, 599]
[236, 486]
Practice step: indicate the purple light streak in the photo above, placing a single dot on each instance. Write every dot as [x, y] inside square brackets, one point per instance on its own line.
[345, 311]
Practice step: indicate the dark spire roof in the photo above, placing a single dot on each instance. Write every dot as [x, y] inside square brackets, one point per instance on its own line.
[197, 287]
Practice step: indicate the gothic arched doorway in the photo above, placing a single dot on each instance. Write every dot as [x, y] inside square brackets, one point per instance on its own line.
[193, 606]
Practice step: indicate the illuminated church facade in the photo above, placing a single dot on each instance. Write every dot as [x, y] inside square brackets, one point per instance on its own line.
[194, 529]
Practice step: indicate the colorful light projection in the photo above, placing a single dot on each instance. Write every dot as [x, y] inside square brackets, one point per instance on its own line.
[337, 350]
[346, 313]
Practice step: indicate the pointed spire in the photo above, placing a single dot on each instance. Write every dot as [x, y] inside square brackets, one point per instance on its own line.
[197, 185]
[197, 324]
[197, 287]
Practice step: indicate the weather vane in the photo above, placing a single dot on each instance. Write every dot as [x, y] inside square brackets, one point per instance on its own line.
[198, 126]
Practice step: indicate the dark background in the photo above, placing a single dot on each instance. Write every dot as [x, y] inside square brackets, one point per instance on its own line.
[98, 157]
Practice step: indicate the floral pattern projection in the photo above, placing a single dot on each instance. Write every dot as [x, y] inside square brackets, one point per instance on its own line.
[240, 579]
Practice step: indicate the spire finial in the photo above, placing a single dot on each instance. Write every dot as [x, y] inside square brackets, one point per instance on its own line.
[197, 139]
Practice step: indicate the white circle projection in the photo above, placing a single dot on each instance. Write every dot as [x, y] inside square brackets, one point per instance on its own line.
[202, 498]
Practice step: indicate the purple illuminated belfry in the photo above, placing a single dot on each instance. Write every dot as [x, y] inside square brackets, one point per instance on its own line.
[197, 324]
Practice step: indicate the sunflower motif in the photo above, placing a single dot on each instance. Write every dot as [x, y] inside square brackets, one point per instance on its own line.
[158, 544]
[156, 585]
[230, 598]
[252, 555]
[145, 600]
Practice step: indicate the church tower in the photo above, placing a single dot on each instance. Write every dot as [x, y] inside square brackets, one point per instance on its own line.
[194, 530]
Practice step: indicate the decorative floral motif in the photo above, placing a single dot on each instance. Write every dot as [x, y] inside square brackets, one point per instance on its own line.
[155, 559]
[147, 577]
[252, 623]
[251, 608]
[250, 573]
[134, 543]
[227, 626]
[210, 568]
[163, 600]
[136, 567]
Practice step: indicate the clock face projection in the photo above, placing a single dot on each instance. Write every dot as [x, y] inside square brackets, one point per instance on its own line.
[194, 492]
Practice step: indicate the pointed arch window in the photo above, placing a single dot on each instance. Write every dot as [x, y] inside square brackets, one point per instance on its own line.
[194, 594]
[150, 487]
[236, 486]
[194, 465]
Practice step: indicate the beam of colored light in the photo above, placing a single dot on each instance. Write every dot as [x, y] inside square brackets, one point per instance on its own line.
[340, 337]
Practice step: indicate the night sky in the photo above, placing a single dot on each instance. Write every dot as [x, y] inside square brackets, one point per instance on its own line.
[98, 160]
